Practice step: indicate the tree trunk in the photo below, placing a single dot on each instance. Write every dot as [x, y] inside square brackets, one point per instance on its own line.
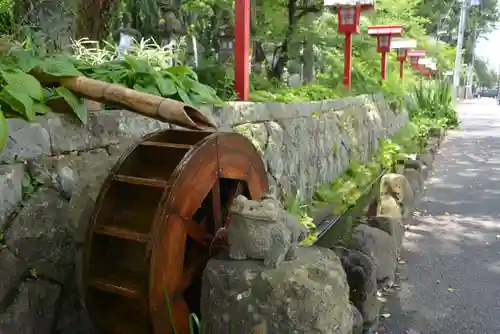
[92, 18]
[295, 14]
[308, 62]
[53, 18]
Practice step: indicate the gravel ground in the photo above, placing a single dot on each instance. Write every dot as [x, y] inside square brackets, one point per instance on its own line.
[450, 268]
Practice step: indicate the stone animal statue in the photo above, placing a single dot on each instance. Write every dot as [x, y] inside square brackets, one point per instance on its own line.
[263, 230]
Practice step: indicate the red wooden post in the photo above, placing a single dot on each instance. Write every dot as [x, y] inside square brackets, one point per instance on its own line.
[347, 60]
[383, 65]
[242, 48]
[384, 35]
[349, 16]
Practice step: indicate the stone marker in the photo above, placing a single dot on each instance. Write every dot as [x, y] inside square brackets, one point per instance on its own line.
[398, 187]
[362, 278]
[357, 321]
[307, 295]
[379, 246]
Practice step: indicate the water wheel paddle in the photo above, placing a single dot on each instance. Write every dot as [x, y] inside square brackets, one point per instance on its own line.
[154, 225]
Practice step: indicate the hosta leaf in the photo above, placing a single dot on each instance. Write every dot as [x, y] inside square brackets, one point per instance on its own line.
[24, 59]
[3, 131]
[182, 71]
[138, 65]
[21, 81]
[19, 101]
[79, 108]
[166, 86]
[146, 89]
[185, 97]
[59, 67]
[40, 109]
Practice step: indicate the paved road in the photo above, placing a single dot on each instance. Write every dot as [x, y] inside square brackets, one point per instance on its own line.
[451, 280]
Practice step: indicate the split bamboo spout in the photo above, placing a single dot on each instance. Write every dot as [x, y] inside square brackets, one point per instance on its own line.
[153, 106]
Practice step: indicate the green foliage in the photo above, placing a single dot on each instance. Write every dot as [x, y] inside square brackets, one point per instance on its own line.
[433, 100]
[212, 74]
[486, 76]
[22, 95]
[177, 82]
[311, 92]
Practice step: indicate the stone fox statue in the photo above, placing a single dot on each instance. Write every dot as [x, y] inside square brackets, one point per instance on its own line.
[263, 230]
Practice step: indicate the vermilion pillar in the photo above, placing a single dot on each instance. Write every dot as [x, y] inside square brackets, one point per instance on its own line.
[383, 65]
[347, 60]
[242, 48]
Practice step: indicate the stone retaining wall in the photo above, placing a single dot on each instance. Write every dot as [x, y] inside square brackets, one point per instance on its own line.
[52, 169]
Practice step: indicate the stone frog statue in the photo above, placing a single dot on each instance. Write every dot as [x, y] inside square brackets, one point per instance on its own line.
[263, 230]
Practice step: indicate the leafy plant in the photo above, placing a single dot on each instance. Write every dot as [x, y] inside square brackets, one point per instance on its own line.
[23, 96]
[177, 82]
[433, 100]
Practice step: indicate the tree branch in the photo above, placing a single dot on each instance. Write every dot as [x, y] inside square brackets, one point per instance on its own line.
[307, 10]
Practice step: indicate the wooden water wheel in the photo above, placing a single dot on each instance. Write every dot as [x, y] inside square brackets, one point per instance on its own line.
[154, 224]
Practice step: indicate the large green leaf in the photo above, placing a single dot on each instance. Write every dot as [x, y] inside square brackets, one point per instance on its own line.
[185, 97]
[21, 81]
[147, 89]
[3, 131]
[19, 101]
[138, 65]
[79, 108]
[40, 108]
[25, 60]
[165, 86]
[182, 71]
[59, 67]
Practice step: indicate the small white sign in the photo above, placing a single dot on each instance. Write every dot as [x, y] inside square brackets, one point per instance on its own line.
[399, 43]
[425, 61]
[347, 3]
[432, 66]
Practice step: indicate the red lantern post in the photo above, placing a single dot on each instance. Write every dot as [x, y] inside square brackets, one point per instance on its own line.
[349, 13]
[414, 56]
[384, 35]
[402, 47]
[242, 48]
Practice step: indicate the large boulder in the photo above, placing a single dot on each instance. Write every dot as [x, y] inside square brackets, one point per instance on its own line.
[357, 321]
[362, 279]
[416, 172]
[379, 246]
[33, 310]
[307, 295]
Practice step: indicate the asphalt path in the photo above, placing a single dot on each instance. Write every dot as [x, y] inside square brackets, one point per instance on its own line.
[450, 268]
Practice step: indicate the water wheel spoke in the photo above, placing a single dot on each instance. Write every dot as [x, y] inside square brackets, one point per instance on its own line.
[216, 206]
[197, 232]
[180, 313]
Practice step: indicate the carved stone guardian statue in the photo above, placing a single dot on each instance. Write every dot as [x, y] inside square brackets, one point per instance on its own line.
[263, 230]
[125, 36]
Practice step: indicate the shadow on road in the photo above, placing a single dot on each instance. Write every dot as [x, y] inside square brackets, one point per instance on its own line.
[450, 278]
